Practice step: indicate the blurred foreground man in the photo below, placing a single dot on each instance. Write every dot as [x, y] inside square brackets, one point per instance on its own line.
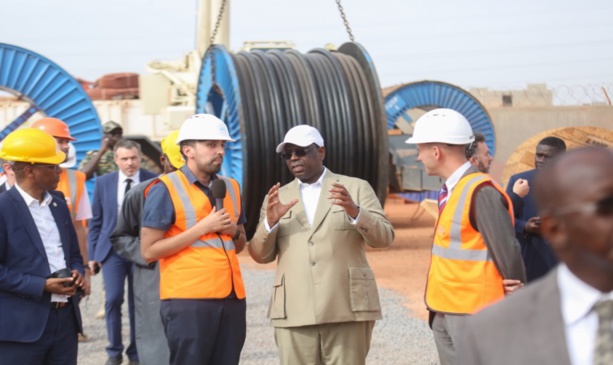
[325, 301]
[40, 264]
[151, 343]
[474, 247]
[566, 317]
[203, 306]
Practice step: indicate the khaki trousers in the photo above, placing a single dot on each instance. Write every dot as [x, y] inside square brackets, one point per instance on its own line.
[325, 344]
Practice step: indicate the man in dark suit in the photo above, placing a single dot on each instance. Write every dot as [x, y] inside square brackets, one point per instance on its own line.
[7, 177]
[108, 196]
[537, 254]
[39, 318]
[562, 318]
[150, 339]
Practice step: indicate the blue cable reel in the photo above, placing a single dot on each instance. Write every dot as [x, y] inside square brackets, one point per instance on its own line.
[429, 95]
[261, 94]
[219, 94]
[51, 90]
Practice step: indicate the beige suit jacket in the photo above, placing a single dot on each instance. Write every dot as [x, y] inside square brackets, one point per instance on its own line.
[524, 328]
[322, 274]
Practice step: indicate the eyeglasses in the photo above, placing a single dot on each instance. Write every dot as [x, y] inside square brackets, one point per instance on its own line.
[602, 207]
[299, 152]
[55, 168]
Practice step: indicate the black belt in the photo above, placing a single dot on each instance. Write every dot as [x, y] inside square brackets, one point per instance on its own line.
[58, 305]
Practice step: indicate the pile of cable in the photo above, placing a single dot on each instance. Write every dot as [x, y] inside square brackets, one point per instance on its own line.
[335, 91]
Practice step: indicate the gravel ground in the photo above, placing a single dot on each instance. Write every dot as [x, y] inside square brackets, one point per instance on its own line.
[399, 338]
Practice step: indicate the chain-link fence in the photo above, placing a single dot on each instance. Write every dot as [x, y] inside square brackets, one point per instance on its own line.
[541, 95]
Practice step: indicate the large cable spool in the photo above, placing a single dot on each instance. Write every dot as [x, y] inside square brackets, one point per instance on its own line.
[49, 89]
[260, 95]
[403, 100]
[428, 95]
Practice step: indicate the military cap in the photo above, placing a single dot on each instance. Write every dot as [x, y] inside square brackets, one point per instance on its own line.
[110, 126]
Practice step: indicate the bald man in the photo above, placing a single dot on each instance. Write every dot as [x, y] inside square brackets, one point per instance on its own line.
[555, 321]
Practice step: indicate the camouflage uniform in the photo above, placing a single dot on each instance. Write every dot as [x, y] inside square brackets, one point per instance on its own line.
[107, 163]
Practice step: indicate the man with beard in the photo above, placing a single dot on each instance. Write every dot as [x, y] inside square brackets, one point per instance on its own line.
[537, 255]
[478, 154]
[202, 294]
[564, 318]
[325, 301]
[40, 263]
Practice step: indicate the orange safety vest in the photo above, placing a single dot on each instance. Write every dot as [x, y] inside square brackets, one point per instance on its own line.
[71, 185]
[463, 277]
[208, 268]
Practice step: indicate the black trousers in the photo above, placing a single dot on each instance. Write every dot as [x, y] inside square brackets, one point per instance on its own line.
[207, 331]
[57, 345]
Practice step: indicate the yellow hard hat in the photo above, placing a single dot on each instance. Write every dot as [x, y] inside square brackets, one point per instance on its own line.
[31, 145]
[171, 149]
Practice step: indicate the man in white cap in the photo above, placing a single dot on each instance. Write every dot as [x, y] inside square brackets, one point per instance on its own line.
[475, 257]
[325, 301]
[202, 294]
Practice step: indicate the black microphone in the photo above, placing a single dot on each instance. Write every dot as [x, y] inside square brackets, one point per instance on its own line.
[218, 188]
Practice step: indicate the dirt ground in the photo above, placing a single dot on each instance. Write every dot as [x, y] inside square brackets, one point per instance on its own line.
[404, 265]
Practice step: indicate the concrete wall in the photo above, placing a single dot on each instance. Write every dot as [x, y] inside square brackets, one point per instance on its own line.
[514, 126]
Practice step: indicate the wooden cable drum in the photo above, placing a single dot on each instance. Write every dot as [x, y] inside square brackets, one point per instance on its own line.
[523, 157]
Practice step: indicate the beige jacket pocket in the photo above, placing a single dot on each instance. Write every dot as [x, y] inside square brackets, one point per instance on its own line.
[276, 310]
[363, 290]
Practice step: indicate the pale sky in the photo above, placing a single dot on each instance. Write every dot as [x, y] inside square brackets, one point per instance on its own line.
[478, 43]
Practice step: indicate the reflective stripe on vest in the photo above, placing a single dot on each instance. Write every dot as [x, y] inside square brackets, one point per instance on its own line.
[71, 185]
[190, 214]
[462, 277]
[207, 268]
[455, 251]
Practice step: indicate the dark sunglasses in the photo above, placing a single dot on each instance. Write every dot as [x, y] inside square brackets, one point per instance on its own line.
[299, 152]
[602, 207]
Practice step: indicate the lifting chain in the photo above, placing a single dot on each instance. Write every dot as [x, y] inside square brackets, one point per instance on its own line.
[212, 40]
[345, 21]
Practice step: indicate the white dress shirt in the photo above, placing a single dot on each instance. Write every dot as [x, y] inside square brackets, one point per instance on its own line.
[49, 233]
[121, 186]
[453, 180]
[309, 194]
[84, 209]
[580, 321]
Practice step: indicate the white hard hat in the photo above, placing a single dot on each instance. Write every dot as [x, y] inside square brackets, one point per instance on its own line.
[203, 127]
[71, 161]
[301, 135]
[442, 126]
